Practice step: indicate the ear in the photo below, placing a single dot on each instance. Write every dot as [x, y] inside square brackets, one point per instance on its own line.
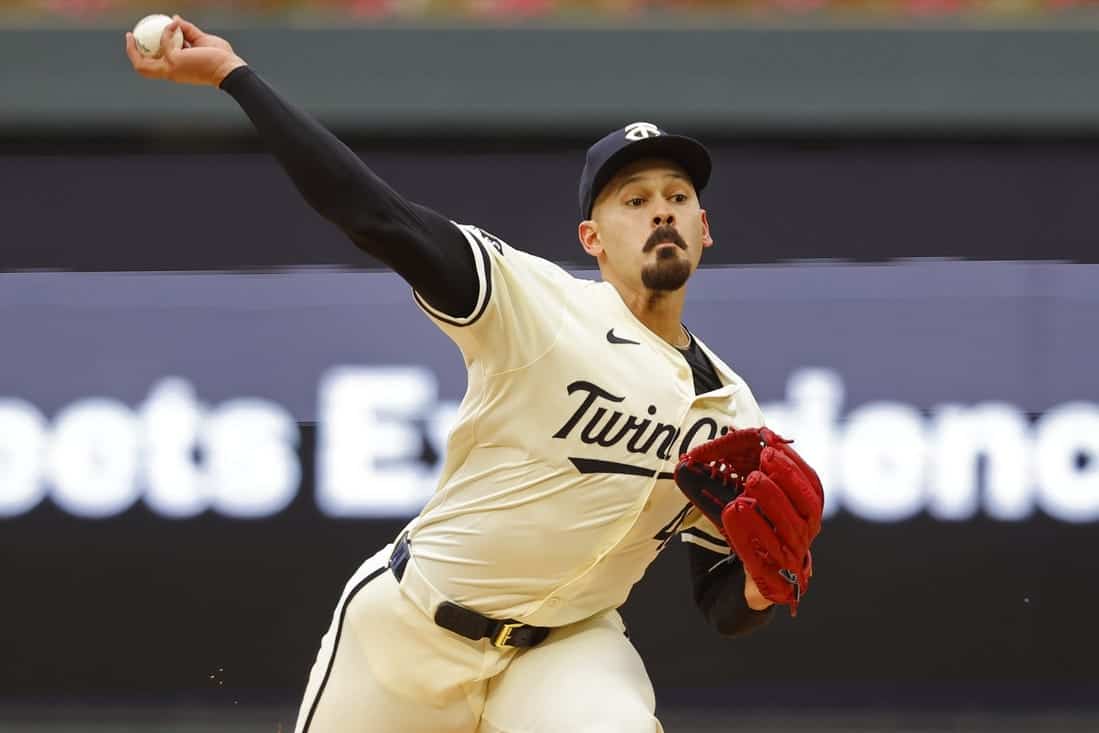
[589, 238]
[707, 240]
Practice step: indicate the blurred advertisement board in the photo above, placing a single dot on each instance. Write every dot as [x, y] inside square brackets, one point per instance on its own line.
[951, 389]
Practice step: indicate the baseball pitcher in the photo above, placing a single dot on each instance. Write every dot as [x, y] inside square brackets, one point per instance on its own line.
[595, 428]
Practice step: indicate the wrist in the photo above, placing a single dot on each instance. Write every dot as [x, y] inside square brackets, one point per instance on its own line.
[227, 68]
[756, 600]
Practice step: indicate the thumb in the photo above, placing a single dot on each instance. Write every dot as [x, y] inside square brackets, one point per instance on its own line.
[167, 48]
[191, 32]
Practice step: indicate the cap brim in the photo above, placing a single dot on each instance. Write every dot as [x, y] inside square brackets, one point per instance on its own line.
[687, 152]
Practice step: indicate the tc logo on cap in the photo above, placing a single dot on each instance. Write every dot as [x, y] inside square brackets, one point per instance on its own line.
[642, 130]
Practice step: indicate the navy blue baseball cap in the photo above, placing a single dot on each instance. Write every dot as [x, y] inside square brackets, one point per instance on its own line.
[635, 141]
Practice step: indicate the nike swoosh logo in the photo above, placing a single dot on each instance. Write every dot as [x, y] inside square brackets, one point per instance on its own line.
[618, 340]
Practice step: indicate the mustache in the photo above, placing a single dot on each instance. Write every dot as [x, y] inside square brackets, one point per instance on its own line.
[664, 234]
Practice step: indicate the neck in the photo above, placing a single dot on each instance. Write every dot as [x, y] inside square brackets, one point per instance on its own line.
[660, 311]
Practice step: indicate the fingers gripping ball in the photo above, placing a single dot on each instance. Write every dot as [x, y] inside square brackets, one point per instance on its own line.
[148, 31]
[765, 499]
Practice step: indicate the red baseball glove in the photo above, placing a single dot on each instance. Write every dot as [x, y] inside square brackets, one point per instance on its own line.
[766, 500]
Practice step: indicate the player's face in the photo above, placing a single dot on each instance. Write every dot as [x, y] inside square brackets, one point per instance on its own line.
[648, 228]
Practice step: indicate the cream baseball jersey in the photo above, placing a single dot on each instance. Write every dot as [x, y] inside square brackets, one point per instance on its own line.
[557, 490]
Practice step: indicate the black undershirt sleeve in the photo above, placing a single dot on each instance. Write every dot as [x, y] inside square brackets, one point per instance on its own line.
[419, 244]
[718, 580]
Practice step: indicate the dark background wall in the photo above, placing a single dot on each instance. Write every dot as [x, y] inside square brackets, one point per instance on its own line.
[769, 201]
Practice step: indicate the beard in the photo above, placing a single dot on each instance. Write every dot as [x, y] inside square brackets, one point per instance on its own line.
[669, 272]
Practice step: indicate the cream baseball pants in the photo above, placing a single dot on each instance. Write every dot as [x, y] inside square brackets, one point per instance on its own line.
[385, 666]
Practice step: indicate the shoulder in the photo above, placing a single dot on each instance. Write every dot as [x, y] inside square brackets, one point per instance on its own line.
[501, 256]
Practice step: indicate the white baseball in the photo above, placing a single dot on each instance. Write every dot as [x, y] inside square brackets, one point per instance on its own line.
[147, 34]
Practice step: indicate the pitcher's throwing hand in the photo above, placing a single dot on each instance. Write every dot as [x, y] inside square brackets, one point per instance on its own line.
[204, 59]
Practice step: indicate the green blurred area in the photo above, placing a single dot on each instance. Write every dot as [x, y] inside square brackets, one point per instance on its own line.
[599, 12]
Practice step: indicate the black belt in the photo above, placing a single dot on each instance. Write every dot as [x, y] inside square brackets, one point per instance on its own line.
[468, 623]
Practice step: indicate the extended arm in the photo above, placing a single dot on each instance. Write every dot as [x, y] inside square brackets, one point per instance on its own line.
[422, 246]
[419, 244]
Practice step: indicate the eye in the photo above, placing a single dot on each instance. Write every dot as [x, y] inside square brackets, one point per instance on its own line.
[635, 201]
[680, 198]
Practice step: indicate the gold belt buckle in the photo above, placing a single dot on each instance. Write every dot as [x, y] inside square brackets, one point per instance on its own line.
[503, 636]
